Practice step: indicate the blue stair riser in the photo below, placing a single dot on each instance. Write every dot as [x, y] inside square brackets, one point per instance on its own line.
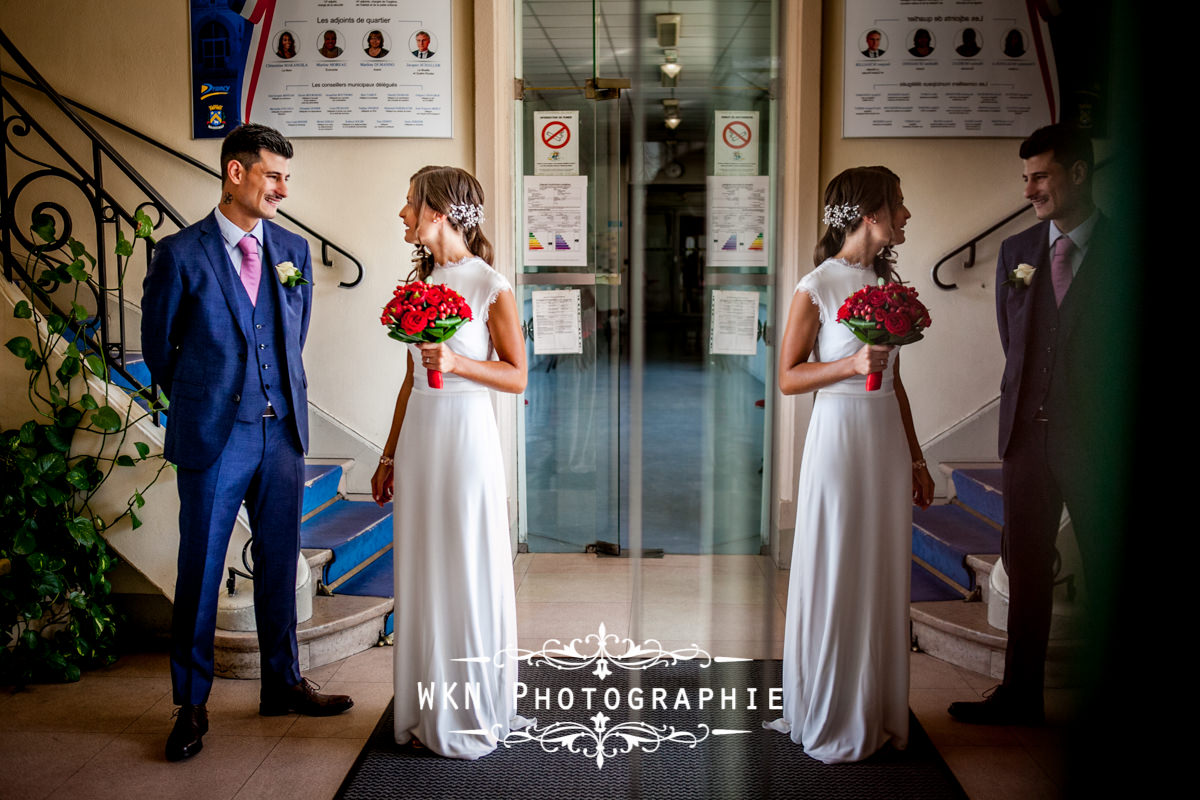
[375, 579]
[943, 537]
[354, 531]
[980, 490]
[320, 485]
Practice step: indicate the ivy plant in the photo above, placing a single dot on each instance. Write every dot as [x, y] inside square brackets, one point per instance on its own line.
[56, 611]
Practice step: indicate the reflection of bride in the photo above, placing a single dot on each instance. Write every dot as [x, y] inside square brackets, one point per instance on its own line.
[845, 653]
[454, 581]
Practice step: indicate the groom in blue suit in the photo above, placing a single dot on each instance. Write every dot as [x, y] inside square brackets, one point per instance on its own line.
[225, 312]
[1054, 300]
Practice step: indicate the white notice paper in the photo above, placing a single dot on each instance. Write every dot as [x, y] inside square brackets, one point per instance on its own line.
[734, 323]
[557, 327]
[737, 221]
[555, 221]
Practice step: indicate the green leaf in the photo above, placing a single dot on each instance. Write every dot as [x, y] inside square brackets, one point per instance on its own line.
[71, 673]
[56, 323]
[78, 271]
[29, 639]
[58, 439]
[89, 402]
[19, 346]
[43, 227]
[33, 362]
[24, 543]
[96, 365]
[56, 397]
[51, 464]
[107, 419]
[125, 461]
[138, 499]
[38, 495]
[124, 246]
[81, 530]
[23, 310]
[69, 417]
[144, 226]
[68, 369]
[81, 314]
[142, 448]
[28, 431]
[76, 247]
[133, 518]
[77, 478]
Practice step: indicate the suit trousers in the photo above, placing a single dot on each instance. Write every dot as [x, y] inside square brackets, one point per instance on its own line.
[1037, 481]
[261, 464]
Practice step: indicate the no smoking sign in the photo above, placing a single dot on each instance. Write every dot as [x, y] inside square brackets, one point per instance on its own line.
[555, 145]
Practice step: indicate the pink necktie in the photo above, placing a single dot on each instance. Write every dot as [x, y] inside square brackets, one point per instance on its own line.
[252, 266]
[1060, 268]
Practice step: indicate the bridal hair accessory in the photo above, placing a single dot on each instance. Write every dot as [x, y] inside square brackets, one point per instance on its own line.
[466, 215]
[840, 216]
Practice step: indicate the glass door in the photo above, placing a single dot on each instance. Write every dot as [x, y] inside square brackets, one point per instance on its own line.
[699, 166]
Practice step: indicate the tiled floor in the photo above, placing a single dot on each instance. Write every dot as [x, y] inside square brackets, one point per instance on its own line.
[103, 737]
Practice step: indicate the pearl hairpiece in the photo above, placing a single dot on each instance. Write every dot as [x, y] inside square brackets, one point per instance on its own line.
[466, 215]
[840, 216]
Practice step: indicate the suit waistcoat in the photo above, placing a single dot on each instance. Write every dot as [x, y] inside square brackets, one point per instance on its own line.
[1041, 350]
[266, 368]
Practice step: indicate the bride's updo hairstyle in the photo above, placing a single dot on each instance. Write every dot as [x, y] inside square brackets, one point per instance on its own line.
[856, 193]
[456, 194]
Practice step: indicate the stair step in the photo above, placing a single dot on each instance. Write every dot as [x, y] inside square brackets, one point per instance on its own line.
[353, 530]
[979, 490]
[926, 586]
[374, 580]
[340, 627]
[943, 536]
[959, 633]
[321, 483]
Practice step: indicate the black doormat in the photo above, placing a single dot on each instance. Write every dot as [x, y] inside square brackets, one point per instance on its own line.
[758, 763]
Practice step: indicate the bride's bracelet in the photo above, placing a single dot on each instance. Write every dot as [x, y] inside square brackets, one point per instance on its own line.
[919, 464]
[386, 461]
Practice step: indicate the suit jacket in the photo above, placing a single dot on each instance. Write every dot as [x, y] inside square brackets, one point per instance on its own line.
[1069, 405]
[195, 343]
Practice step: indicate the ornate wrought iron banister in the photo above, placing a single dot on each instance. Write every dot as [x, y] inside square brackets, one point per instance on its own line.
[327, 245]
[969, 245]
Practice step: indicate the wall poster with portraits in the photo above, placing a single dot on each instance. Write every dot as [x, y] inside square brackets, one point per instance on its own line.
[344, 68]
[924, 68]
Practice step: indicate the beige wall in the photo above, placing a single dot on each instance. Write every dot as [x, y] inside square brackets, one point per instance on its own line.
[129, 59]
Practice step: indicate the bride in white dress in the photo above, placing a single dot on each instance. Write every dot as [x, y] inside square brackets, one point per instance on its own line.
[454, 580]
[846, 643]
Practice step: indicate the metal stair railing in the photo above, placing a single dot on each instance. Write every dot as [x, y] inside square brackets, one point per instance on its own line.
[969, 245]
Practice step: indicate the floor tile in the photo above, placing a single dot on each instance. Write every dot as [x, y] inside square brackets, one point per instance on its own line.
[566, 621]
[302, 769]
[232, 711]
[137, 665]
[927, 672]
[94, 704]
[35, 763]
[370, 666]
[132, 765]
[581, 586]
[930, 707]
[668, 584]
[998, 773]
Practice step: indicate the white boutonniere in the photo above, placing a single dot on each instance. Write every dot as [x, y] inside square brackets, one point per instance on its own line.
[289, 276]
[1022, 276]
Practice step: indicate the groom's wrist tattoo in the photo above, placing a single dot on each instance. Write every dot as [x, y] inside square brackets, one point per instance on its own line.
[227, 198]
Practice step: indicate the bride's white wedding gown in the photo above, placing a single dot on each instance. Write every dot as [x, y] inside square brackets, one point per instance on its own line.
[846, 642]
[453, 560]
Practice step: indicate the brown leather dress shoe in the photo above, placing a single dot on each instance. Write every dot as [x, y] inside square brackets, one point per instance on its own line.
[186, 739]
[303, 698]
[1000, 706]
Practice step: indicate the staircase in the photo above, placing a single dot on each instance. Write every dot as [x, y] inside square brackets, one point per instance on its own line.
[348, 543]
[961, 610]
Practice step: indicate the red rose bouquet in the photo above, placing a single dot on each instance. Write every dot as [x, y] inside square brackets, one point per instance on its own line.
[889, 313]
[426, 313]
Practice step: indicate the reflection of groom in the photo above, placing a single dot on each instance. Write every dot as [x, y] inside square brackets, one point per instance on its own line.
[222, 337]
[1048, 440]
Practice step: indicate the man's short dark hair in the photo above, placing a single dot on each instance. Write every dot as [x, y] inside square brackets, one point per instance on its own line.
[1067, 142]
[421, 33]
[245, 141]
